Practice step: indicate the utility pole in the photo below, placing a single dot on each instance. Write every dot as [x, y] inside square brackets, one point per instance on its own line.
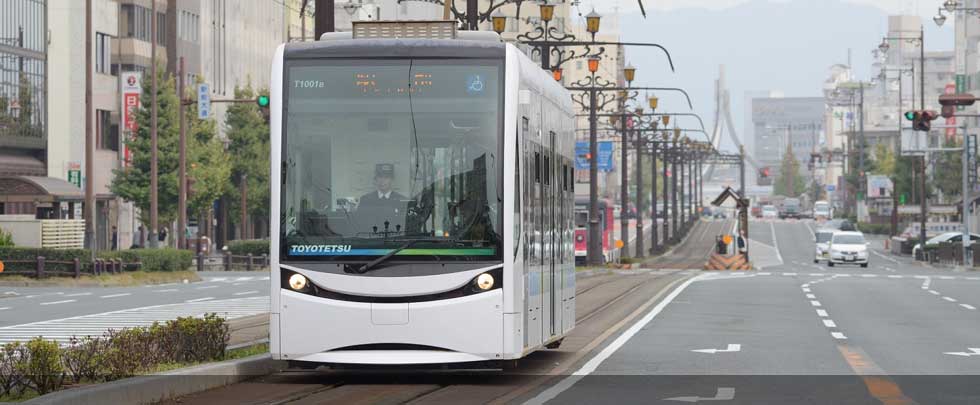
[594, 254]
[861, 181]
[639, 196]
[666, 158]
[923, 210]
[182, 187]
[741, 170]
[90, 241]
[674, 155]
[323, 18]
[244, 213]
[624, 183]
[655, 240]
[681, 180]
[154, 224]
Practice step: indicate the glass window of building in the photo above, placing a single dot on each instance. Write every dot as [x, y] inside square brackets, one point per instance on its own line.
[23, 25]
[103, 51]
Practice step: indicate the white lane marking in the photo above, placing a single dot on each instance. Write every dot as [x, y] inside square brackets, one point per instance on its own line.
[829, 323]
[816, 274]
[950, 299]
[167, 290]
[968, 306]
[806, 285]
[789, 274]
[115, 295]
[731, 348]
[838, 335]
[78, 294]
[947, 278]
[821, 313]
[894, 276]
[775, 244]
[933, 292]
[842, 275]
[200, 299]
[973, 351]
[869, 275]
[885, 257]
[205, 288]
[721, 394]
[806, 290]
[811, 296]
[57, 302]
[810, 229]
[246, 292]
[815, 303]
[765, 273]
[4, 308]
[590, 366]
[972, 278]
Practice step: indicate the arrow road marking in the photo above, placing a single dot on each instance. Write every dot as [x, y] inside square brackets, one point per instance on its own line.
[723, 394]
[973, 351]
[731, 349]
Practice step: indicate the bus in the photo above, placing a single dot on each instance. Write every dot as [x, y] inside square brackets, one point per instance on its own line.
[822, 211]
[606, 224]
[422, 201]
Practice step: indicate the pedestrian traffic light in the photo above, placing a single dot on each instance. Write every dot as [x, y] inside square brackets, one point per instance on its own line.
[262, 101]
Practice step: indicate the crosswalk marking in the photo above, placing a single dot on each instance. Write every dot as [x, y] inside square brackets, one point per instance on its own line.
[95, 325]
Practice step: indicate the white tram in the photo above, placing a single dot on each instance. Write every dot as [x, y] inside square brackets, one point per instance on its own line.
[422, 202]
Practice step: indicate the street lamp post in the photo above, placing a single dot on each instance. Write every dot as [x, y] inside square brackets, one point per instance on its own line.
[921, 41]
[630, 73]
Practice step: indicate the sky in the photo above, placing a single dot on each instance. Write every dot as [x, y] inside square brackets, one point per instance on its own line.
[786, 46]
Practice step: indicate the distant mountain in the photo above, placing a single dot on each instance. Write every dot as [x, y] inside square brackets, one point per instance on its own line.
[786, 46]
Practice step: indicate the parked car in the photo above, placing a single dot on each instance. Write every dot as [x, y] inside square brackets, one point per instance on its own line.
[948, 237]
[757, 211]
[770, 211]
[822, 240]
[848, 247]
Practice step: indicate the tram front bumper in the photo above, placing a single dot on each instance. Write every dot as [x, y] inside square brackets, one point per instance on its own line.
[465, 329]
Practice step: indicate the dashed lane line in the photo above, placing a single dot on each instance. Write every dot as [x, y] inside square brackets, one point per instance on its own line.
[838, 335]
[199, 299]
[247, 292]
[166, 291]
[822, 313]
[815, 303]
[933, 292]
[950, 299]
[57, 302]
[78, 294]
[829, 323]
[116, 295]
[968, 306]
[207, 287]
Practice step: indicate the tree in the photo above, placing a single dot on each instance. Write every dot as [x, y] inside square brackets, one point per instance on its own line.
[209, 167]
[6, 238]
[248, 134]
[790, 182]
[132, 182]
[949, 170]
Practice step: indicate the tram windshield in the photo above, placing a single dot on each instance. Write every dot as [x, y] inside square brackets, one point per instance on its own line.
[392, 157]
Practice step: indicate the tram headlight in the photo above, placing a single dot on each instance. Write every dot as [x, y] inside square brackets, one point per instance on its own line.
[484, 281]
[298, 282]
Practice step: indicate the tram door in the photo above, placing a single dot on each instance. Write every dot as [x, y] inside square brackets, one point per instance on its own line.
[554, 238]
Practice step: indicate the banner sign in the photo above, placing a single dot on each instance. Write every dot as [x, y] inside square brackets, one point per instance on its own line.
[131, 89]
[605, 158]
[203, 101]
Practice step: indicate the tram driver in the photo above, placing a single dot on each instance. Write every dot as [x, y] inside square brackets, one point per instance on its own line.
[383, 203]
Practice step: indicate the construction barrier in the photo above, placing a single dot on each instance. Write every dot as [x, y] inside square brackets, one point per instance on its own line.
[724, 262]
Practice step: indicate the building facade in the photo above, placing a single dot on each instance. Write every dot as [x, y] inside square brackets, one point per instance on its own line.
[23, 88]
[784, 123]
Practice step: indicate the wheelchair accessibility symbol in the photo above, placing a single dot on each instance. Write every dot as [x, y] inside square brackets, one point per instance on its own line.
[475, 84]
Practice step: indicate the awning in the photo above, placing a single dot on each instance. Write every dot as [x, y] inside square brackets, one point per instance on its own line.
[38, 189]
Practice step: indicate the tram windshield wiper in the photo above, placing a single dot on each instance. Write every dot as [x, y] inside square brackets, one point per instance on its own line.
[372, 264]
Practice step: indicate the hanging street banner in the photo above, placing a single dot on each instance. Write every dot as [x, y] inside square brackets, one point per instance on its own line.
[131, 89]
[605, 158]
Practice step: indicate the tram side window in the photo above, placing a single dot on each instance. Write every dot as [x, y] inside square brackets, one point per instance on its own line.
[517, 196]
[525, 124]
[537, 167]
[547, 168]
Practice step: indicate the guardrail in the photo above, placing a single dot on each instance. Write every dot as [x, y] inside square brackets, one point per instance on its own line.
[230, 262]
[41, 269]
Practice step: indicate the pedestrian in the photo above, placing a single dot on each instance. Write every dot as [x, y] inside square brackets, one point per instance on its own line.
[115, 238]
[162, 236]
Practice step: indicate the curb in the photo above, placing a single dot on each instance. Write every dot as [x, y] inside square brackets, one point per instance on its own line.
[160, 387]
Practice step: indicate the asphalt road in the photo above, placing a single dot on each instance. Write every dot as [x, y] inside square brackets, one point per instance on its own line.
[59, 312]
[797, 332]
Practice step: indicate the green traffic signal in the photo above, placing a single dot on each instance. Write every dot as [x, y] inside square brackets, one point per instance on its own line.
[910, 115]
[262, 101]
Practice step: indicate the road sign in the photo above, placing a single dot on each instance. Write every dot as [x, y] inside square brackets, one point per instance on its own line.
[604, 161]
[75, 177]
[831, 188]
[203, 101]
[960, 88]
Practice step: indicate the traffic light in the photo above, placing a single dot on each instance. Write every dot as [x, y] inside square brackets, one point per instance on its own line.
[263, 102]
[956, 100]
[764, 172]
[921, 120]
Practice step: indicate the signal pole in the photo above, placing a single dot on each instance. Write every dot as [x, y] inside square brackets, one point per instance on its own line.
[182, 187]
[89, 216]
[153, 128]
